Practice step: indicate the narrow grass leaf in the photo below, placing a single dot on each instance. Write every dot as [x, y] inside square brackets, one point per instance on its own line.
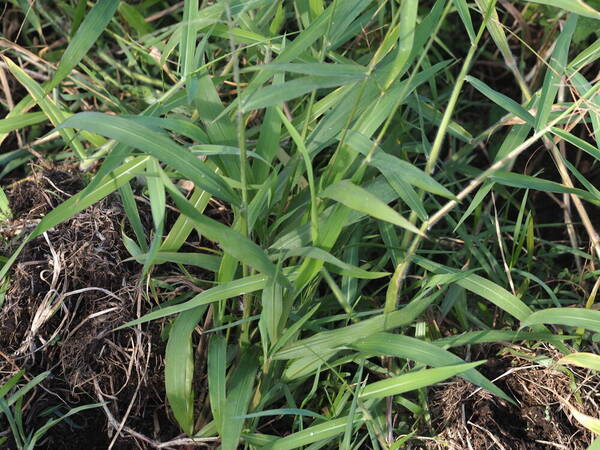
[237, 401]
[574, 6]
[406, 37]
[414, 380]
[394, 168]
[217, 364]
[280, 93]
[556, 68]
[574, 317]
[321, 432]
[355, 71]
[51, 110]
[221, 292]
[345, 336]
[578, 142]
[501, 100]
[24, 120]
[208, 262]
[87, 34]
[582, 359]
[483, 287]
[179, 368]
[229, 239]
[346, 269]
[359, 199]
[463, 11]
[424, 352]
[161, 147]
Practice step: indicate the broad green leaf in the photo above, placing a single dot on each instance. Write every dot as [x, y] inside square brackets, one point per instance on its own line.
[272, 310]
[581, 359]
[574, 6]
[314, 433]
[156, 144]
[179, 368]
[574, 317]
[359, 199]
[501, 100]
[414, 380]
[90, 29]
[423, 352]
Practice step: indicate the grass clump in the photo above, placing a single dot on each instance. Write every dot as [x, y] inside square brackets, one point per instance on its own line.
[310, 223]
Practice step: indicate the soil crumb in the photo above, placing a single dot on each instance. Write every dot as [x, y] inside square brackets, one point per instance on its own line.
[68, 291]
[467, 417]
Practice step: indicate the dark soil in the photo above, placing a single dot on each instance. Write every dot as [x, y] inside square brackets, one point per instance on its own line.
[467, 417]
[69, 289]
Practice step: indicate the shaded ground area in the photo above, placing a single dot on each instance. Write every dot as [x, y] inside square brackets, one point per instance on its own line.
[69, 289]
[470, 418]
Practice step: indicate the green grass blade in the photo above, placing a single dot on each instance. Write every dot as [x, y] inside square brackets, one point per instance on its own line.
[582, 359]
[574, 317]
[51, 110]
[574, 6]
[359, 199]
[554, 72]
[423, 352]
[483, 287]
[501, 100]
[321, 432]
[217, 364]
[179, 367]
[155, 144]
[346, 269]
[414, 380]
[24, 120]
[237, 401]
[221, 292]
[463, 11]
[406, 37]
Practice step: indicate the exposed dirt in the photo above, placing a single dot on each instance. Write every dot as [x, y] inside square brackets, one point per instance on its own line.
[466, 417]
[68, 291]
